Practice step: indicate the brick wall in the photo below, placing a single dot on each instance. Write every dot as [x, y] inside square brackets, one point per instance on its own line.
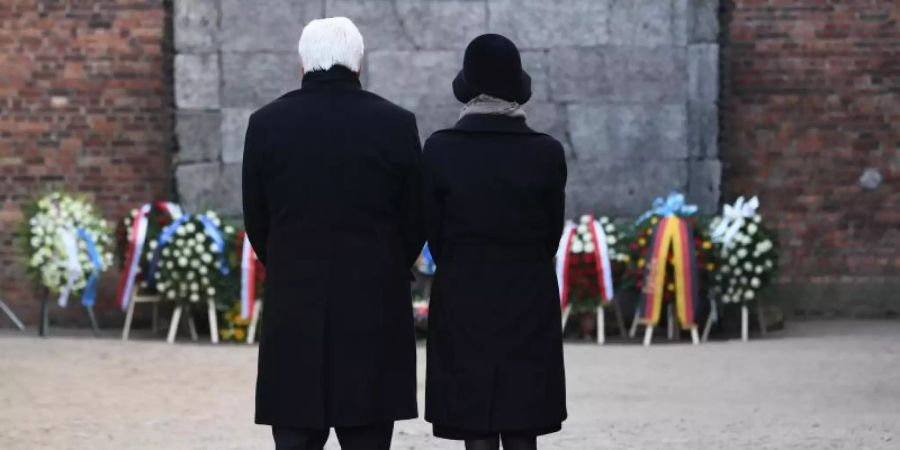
[811, 102]
[85, 100]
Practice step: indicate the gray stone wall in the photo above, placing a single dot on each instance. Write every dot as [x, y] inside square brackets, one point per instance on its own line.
[629, 86]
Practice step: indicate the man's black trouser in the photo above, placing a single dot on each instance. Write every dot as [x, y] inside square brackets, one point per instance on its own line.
[369, 437]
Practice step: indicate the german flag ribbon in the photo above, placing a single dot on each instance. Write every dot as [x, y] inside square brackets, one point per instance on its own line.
[673, 234]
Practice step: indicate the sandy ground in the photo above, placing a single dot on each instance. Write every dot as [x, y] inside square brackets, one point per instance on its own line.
[818, 385]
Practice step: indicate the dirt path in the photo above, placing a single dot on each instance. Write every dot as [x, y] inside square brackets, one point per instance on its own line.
[824, 385]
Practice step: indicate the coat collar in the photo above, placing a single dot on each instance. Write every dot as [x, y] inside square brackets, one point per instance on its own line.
[337, 77]
[493, 123]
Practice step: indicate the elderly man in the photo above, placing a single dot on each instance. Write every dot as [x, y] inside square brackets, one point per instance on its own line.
[332, 206]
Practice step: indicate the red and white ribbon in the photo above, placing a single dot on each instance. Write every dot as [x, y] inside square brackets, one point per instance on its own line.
[562, 263]
[601, 256]
[248, 278]
[136, 239]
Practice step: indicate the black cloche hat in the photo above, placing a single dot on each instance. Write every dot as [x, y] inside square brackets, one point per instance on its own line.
[492, 66]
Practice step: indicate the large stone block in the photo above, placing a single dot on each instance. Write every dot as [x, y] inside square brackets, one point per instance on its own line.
[703, 130]
[197, 81]
[615, 132]
[379, 21]
[196, 23]
[621, 187]
[251, 80]
[199, 139]
[619, 74]
[406, 24]
[265, 25]
[703, 184]
[415, 77]
[537, 64]
[233, 131]
[646, 23]
[703, 21]
[210, 186]
[590, 73]
[703, 73]
[548, 118]
[444, 24]
[541, 24]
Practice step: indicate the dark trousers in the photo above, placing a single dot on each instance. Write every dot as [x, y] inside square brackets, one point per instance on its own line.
[369, 437]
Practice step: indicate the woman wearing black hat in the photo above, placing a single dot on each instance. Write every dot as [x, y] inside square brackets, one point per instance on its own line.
[495, 196]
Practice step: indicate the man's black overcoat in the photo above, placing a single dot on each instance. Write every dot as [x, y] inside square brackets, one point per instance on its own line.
[332, 205]
[495, 201]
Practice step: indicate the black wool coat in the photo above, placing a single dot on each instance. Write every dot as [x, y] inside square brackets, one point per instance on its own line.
[494, 202]
[332, 205]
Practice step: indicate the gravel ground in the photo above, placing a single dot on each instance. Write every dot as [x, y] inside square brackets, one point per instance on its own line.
[817, 385]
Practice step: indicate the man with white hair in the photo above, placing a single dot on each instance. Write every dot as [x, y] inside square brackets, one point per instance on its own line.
[332, 206]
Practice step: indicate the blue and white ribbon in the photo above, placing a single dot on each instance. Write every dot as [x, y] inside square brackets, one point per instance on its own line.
[89, 295]
[211, 230]
[672, 205]
[733, 216]
[164, 238]
[426, 265]
[69, 237]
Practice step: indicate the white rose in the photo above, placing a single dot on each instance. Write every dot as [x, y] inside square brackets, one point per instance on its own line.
[726, 298]
[748, 295]
[194, 286]
[190, 227]
[751, 229]
[610, 228]
[769, 263]
[737, 271]
[213, 248]
[725, 269]
[584, 219]
[182, 262]
[577, 247]
[742, 253]
[169, 265]
[748, 267]
[733, 261]
[171, 295]
[206, 258]
[582, 229]
[211, 291]
[194, 297]
[604, 220]
[152, 245]
[758, 269]
[589, 248]
[195, 263]
[229, 229]
[203, 270]
[611, 240]
[757, 218]
[180, 231]
[754, 282]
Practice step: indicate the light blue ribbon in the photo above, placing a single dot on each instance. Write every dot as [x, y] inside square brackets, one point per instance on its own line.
[213, 232]
[670, 206]
[428, 267]
[164, 237]
[89, 295]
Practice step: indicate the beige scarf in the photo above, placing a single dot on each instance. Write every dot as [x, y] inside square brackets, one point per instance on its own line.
[485, 104]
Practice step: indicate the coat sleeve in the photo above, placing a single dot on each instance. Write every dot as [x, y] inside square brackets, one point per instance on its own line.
[411, 198]
[433, 199]
[256, 212]
[556, 203]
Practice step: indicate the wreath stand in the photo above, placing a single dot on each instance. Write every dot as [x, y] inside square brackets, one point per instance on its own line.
[11, 315]
[155, 300]
[671, 327]
[176, 319]
[254, 321]
[44, 326]
[601, 320]
[745, 321]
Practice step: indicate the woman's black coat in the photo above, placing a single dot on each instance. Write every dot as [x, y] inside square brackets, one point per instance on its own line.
[332, 205]
[495, 196]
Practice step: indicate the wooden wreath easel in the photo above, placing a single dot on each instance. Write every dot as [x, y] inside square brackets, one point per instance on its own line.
[176, 319]
[44, 326]
[11, 315]
[154, 299]
[254, 321]
[671, 327]
[601, 319]
[745, 321]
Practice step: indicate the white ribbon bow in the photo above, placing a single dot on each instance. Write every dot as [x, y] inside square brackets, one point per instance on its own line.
[69, 241]
[732, 219]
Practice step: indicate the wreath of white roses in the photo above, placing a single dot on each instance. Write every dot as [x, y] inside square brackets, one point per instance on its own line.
[53, 216]
[747, 261]
[583, 241]
[191, 264]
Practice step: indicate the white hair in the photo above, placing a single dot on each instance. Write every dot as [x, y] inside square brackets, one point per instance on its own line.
[326, 42]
